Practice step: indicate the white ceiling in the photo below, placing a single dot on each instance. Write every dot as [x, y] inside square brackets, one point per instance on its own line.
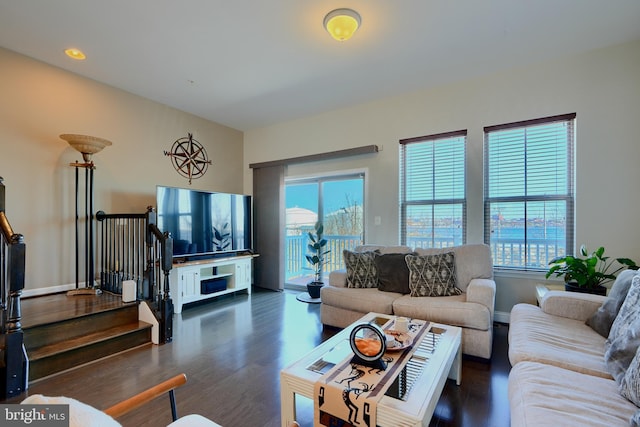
[251, 63]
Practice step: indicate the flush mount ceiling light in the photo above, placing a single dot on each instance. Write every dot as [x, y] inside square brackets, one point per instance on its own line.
[342, 23]
[75, 53]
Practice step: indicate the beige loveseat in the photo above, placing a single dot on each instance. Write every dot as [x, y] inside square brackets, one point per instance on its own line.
[562, 369]
[472, 310]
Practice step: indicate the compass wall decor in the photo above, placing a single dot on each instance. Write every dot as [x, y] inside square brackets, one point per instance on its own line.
[189, 158]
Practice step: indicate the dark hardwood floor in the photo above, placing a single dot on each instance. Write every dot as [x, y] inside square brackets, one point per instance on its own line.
[232, 350]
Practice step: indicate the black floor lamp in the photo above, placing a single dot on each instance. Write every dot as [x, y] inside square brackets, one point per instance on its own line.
[87, 145]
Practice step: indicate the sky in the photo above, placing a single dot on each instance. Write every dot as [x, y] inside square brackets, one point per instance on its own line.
[306, 195]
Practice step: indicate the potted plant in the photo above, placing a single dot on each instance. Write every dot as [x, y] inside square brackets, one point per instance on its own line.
[589, 273]
[317, 251]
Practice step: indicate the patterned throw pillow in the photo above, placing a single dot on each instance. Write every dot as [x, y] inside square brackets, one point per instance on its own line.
[622, 350]
[361, 269]
[630, 386]
[432, 275]
[628, 312]
[603, 318]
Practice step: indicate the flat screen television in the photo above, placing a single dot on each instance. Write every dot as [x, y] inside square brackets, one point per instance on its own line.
[204, 223]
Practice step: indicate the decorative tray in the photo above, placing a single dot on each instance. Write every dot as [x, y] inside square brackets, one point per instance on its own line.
[401, 340]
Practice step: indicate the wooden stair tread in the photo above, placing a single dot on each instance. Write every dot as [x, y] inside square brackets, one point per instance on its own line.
[84, 340]
[47, 309]
[78, 317]
[62, 332]
[71, 329]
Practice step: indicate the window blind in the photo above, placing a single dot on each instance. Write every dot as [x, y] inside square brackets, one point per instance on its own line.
[529, 191]
[432, 190]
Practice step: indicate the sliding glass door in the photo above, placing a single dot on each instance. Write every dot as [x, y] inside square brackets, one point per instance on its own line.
[338, 201]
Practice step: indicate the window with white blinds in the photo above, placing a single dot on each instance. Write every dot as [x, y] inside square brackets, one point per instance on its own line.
[432, 190]
[529, 191]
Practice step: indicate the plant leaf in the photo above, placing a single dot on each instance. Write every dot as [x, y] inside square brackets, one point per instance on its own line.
[626, 261]
[557, 260]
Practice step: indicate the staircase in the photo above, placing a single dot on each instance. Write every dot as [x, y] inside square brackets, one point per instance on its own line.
[53, 333]
[64, 331]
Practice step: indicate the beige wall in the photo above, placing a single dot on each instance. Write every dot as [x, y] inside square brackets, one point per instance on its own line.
[602, 87]
[39, 102]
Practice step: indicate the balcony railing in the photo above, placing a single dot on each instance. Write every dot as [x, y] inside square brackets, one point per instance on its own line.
[508, 252]
[536, 253]
[296, 248]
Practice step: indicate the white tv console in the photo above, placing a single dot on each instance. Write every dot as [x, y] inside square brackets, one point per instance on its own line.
[199, 280]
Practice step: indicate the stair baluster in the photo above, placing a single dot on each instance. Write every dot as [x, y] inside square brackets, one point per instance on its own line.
[132, 246]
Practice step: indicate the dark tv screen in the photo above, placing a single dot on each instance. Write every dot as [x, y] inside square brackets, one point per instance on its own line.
[203, 222]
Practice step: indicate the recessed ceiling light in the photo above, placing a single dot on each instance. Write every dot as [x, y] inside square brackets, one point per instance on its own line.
[75, 54]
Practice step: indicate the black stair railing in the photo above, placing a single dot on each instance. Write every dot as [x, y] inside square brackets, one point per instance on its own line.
[13, 360]
[162, 299]
[131, 247]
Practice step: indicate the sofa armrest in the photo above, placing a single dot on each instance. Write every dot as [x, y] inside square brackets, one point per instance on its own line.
[572, 305]
[338, 278]
[482, 291]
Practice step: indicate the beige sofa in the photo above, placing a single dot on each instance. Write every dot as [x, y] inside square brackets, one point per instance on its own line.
[472, 310]
[561, 372]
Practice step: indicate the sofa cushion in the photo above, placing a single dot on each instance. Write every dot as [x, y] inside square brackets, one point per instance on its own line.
[568, 343]
[603, 318]
[473, 261]
[451, 310]
[546, 395]
[628, 311]
[432, 275]
[393, 273]
[362, 300]
[361, 269]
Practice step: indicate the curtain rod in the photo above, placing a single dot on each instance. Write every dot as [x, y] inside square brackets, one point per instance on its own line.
[365, 149]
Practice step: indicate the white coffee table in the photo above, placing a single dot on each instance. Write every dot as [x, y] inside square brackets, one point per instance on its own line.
[415, 408]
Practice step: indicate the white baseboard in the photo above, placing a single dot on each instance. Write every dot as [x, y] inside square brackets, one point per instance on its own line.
[501, 316]
[50, 290]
